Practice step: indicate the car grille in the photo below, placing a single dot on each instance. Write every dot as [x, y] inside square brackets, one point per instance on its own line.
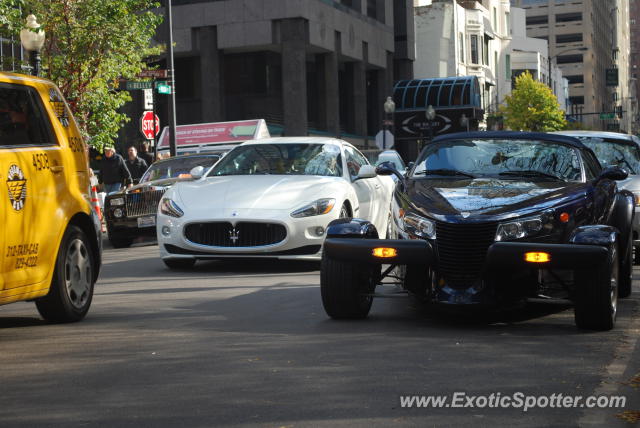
[245, 234]
[143, 203]
[462, 249]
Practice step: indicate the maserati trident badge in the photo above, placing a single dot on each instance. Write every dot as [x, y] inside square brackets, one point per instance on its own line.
[233, 236]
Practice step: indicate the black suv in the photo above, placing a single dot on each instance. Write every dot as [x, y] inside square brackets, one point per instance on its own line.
[493, 218]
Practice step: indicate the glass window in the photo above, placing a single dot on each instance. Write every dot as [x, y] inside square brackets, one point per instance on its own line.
[537, 20]
[355, 161]
[474, 49]
[281, 159]
[534, 159]
[175, 167]
[461, 43]
[615, 152]
[569, 38]
[569, 17]
[507, 23]
[507, 62]
[569, 59]
[578, 78]
[22, 118]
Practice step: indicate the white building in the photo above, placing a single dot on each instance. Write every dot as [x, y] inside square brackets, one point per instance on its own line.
[483, 38]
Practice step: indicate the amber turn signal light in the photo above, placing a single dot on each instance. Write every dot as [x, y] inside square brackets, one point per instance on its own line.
[384, 252]
[535, 257]
[564, 217]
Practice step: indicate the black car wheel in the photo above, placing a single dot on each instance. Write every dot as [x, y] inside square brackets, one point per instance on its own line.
[597, 295]
[179, 263]
[344, 287]
[626, 272]
[71, 290]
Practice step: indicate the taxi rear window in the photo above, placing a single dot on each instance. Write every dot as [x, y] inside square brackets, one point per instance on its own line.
[22, 119]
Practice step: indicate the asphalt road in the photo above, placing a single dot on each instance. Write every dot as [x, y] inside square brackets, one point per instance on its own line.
[248, 344]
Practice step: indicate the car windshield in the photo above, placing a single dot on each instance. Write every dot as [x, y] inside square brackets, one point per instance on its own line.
[172, 168]
[499, 157]
[393, 158]
[287, 159]
[615, 152]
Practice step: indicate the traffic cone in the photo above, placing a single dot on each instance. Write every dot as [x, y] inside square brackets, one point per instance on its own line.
[95, 201]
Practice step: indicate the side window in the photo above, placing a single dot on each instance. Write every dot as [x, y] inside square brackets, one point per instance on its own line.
[23, 121]
[355, 160]
[591, 166]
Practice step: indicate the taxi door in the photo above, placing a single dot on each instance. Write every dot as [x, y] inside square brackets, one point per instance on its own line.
[33, 175]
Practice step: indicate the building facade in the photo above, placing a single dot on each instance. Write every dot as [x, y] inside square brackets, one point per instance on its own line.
[589, 40]
[306, 66]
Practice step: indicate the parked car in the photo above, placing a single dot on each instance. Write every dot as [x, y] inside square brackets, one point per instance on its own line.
[493, 218]
[623, 150]
[270, 198]
[50, 243]
[131, 213]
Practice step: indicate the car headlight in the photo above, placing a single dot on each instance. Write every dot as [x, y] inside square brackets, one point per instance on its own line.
[321, 206]
[520, 228]
[419, 226]
[170, 208]
[116, 201]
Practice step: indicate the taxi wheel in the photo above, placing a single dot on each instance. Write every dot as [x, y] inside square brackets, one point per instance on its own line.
[179, 263]
[71, 289]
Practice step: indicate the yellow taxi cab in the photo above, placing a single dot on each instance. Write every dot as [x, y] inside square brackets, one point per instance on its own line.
[50, 242]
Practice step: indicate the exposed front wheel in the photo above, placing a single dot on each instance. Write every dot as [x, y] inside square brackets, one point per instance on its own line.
[626, 272]
[179, 263]
[71, 289]
[344, 287]
[597, 295]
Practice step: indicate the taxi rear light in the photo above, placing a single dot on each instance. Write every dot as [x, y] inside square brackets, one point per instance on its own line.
[384, 252]
[537, 257]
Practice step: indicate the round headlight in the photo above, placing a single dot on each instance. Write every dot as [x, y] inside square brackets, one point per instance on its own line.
[117, 213]
[166, 230]
[319, 231]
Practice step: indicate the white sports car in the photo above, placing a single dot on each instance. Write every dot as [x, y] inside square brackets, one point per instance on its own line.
[270, 198]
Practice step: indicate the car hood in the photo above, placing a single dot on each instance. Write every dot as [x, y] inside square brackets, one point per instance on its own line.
[488, 196]
[256, 192]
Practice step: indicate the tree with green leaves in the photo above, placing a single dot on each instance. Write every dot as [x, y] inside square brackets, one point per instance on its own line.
[90, 45]
[532, 106]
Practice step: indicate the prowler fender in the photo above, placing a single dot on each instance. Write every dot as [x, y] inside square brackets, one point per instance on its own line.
[352, 228]
[595, 235]
[621, 218]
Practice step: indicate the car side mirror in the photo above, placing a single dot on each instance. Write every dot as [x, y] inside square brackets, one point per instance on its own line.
[366, 171]
[613, 173]
[197, 172]
[387, 168]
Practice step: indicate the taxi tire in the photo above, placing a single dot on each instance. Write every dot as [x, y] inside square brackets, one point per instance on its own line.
[179, 263]
[57, 306]
[597, 293]
[343, 285]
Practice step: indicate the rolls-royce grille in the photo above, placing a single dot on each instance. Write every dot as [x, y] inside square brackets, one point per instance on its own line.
[462, 250]
[223, 234]
[143, 203]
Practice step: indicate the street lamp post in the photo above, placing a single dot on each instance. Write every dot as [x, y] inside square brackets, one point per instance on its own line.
[32, 39]
[430, 114]
[389, 109]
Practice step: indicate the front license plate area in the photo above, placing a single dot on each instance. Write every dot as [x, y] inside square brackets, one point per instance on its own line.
[148, 221]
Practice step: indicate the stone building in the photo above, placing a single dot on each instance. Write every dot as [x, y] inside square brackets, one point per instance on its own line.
[306, 66]
[586, 39]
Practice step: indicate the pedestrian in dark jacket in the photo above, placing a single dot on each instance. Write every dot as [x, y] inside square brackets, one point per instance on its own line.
[145, 153]
[113, 171]
[135, 165]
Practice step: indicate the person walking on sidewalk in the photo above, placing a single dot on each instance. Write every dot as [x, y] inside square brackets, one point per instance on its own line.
[136, 165]
[113, 171]
[145, 153]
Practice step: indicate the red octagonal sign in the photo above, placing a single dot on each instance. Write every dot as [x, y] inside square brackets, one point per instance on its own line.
[146, 125]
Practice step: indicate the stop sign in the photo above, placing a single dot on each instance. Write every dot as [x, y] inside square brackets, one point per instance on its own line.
[146, 125]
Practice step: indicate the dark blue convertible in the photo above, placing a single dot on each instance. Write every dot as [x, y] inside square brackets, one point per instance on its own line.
[492, 218]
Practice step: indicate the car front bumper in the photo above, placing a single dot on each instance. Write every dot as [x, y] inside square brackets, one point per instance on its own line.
[503, 259]
[301, 241]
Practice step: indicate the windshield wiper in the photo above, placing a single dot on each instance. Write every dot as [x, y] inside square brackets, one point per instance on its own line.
[444, 171]
[532, 173]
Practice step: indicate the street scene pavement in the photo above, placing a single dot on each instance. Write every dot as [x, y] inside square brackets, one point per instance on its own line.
[249, 344]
